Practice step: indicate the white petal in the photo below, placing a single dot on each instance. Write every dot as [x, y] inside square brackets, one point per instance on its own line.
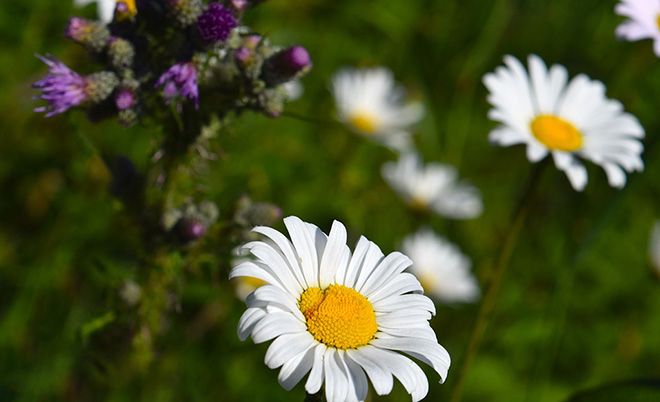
[615, 175]
[404, 283]
[367, 358]
[274, 262]
[389, 268]
[252, 270]
[358, 378]
[295, 369]
[315, 379]
[305, 246]
[535, 151]
[287, 347]
[286, 248]
[275, 324]
[371, 260]
[425, 350]
[274, 295]
[248, 320]
[335, 255]
[336, 381]
[355, 263]
[409, 301]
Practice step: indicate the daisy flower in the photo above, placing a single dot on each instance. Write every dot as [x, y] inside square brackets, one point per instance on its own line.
[568, 119]
[341, 317]
[654, 248]
[370, 102]
[432, 187]
[105, 8]
[643, 23]
[441, 267]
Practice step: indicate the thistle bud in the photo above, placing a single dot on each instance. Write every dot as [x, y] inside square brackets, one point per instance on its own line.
[125, 99]
[215, 23]
[190, 229]
[91, 34]
[121, 52]
[249, 214]
[186, 12]
[286, 65]
[100, 86]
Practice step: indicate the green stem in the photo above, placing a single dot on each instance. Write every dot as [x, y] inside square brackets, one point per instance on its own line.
[488, 304]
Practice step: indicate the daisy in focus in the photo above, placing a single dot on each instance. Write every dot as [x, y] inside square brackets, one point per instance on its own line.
[371, 104]
[643, 23]
[342, 317]
[654, 248]
[441, 268]
[573, 119]
[432, 187]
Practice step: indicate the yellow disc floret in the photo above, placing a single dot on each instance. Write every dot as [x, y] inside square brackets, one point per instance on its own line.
[556, 133]
[338, 316]
[364, 122]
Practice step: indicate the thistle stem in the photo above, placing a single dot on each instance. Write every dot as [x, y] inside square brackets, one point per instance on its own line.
[488, 304]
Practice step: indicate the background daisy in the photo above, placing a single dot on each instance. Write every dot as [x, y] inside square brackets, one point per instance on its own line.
[371, 104]
[567, 119]
[441, 267]
[338, 316]
[643, 23]
[433, 186]
[105, 8]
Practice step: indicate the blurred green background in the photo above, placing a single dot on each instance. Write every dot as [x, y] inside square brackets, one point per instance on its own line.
[578, 307]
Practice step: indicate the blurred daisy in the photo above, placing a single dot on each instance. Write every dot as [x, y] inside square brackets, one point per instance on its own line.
[432, 187]
[370, 102]
[441, 267]
[643, 23]
[654, 248]
[338, 316]
[567, 119]
[244, 285]
[105, 8]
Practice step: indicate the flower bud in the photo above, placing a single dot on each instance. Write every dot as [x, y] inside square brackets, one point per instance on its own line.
[286, 65]
[100, 86]
[121, 52]
[91, 34]
[186, 12]
[242, 5]
[189, 229]
[215, 23]
[125, 99]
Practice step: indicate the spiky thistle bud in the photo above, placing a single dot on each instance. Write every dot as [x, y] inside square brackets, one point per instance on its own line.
[100, 85]
[91, 34]
[215, 23]
[120, 52]
[186, 12]
[285, 65]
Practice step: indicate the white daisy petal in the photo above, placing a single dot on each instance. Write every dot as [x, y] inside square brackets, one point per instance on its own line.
[392, 265]
[642, 23]
[274, 325]
[358, 378]
[336, 381]
[295, 369]
[423, 349]
[286, 248]
[276, 264]
[432, 187]
[335, 254]
[305, 246]
[287, 347]
[315, 379]
[569, 119]
[272, 294]
[368, 358]
[248, 320]
[371, 104]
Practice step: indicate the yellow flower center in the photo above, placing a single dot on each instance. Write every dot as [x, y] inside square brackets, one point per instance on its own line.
[657, 21]
[125, 9]
[364, 122]
[428, 281]
[338, 316]
[556, 133]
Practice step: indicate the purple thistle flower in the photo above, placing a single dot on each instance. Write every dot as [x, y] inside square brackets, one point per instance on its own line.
[215, 23]
[62, 88]
[180, 80]
[125, 99]
[285, 65]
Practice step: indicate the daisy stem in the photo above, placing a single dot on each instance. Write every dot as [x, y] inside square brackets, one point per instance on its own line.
[488, 304]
